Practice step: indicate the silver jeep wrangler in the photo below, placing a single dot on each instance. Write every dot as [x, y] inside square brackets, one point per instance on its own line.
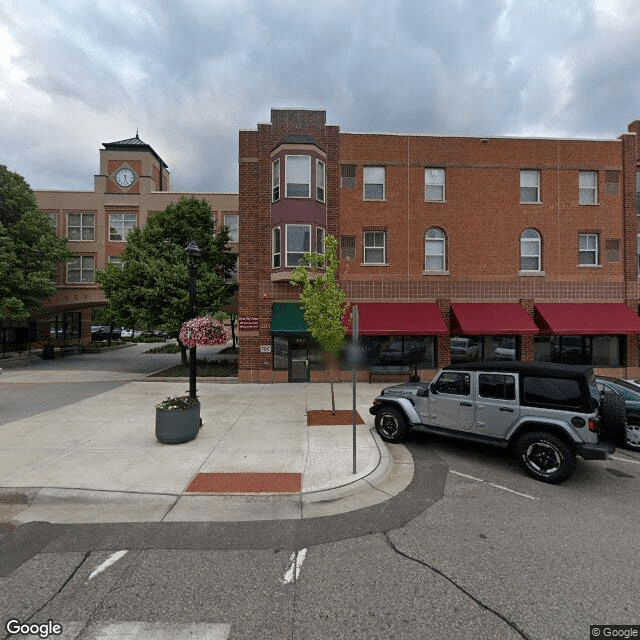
[545, 413]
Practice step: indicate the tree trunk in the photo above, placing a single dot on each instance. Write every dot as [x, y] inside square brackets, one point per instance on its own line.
[233, 329]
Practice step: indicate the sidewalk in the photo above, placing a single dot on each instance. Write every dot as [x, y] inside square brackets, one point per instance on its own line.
[98, 460]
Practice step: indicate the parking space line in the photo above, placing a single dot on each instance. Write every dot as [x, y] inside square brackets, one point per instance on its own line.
[496, 486]
[113, 558]
[625, 459]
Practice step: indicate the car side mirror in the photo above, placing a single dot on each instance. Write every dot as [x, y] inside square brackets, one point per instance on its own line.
[433, 389]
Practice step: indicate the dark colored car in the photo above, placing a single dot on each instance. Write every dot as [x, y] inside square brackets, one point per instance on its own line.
[631, 394]
[102, 332]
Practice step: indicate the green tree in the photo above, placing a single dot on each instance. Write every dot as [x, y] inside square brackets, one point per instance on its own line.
[151, 288]
[323, 302]
[29, 249]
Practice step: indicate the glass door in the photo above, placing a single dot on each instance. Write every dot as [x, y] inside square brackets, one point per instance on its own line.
[298, 360]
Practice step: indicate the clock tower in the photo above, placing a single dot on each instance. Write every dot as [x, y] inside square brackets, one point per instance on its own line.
[131, 167]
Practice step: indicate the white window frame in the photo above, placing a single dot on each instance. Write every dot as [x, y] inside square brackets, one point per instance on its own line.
[435, 237]
[121, 226]
[373, 180]
[275, 180]
[290, 160]
[78, 265]
[320, 180]
[588, 193]
[234, 230]
[434, 184]
[368, 247]
[584, 242]
[530, 247]
[527, 183]
[90, 229]
[116, 261]
[276, 232]
[289, 228]
[320, 236]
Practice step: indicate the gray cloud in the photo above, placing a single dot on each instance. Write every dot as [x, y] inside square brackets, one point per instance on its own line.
[191, 73]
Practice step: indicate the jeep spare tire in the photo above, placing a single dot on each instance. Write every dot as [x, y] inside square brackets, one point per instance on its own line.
[613, 418]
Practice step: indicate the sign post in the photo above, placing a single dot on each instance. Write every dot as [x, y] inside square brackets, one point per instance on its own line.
[354, 346]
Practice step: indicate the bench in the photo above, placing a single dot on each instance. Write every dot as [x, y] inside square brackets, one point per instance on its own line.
[384, 370]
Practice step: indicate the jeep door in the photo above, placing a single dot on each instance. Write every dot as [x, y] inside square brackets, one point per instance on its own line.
[497, 404]
[451, 402]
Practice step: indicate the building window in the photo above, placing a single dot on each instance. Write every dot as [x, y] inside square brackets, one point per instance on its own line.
[588, 187]
[116, 261]
[600, 351]
[298, 176]
[414, 351]
[612, 249]
[434, 185]
[65, 325]
[275, 180]
[320, 240]
[480, 348]
[348, 176]
[81, 226]
[588, 249]
[80, 269]
[434, 250]
[53, 219]
[348, 247]
[232, 221]
[374, 183]
[298, 243]
[275, 247]
[374, 247]
[529, 186]
[530, 253]
[233, 276]
[320, 180]
[120, 224]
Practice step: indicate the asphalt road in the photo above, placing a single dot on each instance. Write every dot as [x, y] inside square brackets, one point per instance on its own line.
[473, 548]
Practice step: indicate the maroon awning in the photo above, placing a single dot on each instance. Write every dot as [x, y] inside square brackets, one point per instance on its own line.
[575, 319]
[491, 319]
[398, 319]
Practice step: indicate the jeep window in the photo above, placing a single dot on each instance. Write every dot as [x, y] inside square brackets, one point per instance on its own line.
[497, 386]
[454, 383]
[553, 392]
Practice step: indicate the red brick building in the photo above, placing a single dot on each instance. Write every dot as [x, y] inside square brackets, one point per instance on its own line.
[453, 248]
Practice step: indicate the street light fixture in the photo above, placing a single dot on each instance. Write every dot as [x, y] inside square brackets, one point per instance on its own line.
[193, 254]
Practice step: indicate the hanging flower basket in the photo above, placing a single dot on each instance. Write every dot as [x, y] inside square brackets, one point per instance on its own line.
[203, 332]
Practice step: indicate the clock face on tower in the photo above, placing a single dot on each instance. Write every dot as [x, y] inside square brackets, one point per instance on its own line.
[124, 177]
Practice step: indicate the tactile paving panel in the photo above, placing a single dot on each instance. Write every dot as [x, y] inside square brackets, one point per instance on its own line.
[246, 483]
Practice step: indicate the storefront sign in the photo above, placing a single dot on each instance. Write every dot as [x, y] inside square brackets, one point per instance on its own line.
[249, 323]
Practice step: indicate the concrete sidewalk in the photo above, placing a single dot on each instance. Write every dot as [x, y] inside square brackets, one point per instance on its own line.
[97, 460]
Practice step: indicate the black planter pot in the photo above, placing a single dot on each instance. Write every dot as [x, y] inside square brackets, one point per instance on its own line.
[174, 426]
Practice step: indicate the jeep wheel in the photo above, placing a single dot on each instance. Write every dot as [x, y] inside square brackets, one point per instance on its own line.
[391, 425]
[633, 437]
[613, 418]
[545, 457]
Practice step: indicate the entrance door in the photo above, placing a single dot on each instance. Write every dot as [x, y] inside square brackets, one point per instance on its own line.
[298, 360]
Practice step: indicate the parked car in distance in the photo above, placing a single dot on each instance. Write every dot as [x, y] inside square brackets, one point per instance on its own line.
[102, 332]
[463, 350]
[631, 394]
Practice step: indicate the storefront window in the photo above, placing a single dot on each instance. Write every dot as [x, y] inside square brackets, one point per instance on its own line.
[598, 351]
[65, 325]
[479, 348]
[393, 350]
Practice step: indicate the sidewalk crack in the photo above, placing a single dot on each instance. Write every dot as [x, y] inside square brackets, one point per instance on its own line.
[479, 602]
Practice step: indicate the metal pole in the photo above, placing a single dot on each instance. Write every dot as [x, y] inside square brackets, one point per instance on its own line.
[192, 314]
[354, 345]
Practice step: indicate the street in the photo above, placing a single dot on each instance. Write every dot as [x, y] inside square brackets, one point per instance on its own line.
[472, 548]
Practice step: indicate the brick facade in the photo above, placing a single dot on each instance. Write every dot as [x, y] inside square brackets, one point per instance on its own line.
[481, 216]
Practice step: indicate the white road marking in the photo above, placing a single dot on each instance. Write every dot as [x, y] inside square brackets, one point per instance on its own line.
[625, 460]
[296, 561]
[114, 557]
[496, 486]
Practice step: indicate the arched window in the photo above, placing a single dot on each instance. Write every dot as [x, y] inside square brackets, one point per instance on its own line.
[434, 250]
[530, 251]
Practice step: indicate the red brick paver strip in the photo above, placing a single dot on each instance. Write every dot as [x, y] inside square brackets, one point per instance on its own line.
[246, 483]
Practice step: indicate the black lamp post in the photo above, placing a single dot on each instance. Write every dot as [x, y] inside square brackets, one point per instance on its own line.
[193, 253]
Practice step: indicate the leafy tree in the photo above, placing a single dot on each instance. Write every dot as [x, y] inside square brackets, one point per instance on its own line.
[29, 249]
[151, 289]
[323, 302]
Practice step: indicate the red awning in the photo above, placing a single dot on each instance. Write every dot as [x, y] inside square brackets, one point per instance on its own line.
[398, 319]
[587, 319]
[491, 319]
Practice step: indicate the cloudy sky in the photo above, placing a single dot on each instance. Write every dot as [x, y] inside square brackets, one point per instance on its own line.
[190, 73]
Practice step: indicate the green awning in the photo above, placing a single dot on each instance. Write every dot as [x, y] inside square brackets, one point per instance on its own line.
[287, 318]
